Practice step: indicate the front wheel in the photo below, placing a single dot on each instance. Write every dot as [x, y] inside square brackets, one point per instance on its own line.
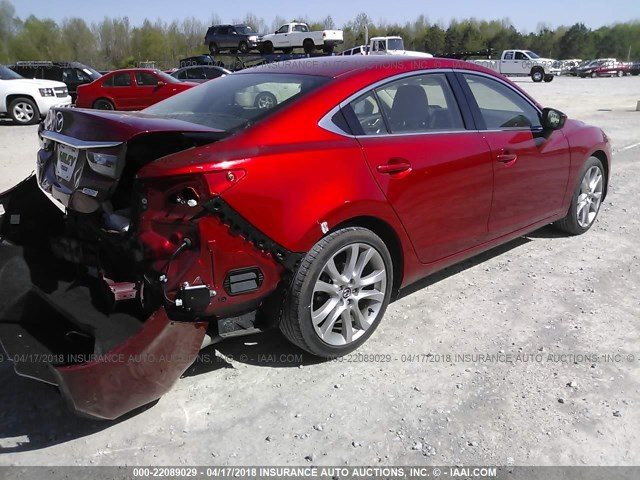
[265, 101]
[243, 47]
[308, 46]
[548, 78]
[620, 73]
[537, 75]
[24, 111]
[339, 293]
[587, 198]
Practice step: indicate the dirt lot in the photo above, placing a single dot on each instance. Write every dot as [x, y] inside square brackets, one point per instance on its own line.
[565, 311]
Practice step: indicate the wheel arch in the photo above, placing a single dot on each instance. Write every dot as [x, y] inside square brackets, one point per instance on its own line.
[110, 100]
[14, 96]
[602, 156]
[390, 238]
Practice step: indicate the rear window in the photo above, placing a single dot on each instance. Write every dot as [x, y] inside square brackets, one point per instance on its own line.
[238, 100]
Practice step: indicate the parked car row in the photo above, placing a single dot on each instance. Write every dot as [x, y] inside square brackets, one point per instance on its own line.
[602, 67]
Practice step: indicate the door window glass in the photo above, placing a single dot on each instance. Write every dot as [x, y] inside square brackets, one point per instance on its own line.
[118, 80]
[146, 79]
[521, 56]
[500, 106]
[508, 56]
[421, 103]
[368, 114]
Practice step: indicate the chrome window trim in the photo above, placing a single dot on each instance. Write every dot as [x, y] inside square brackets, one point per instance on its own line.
[76, 143]
[326, 123]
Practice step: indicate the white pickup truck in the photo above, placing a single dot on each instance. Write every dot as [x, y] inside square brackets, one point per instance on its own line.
[298, 35]
[27, 100]
[385, 46]
[521, 63]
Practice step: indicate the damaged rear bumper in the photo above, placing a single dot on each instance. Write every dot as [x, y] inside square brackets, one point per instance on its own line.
[51, 336]
[55, 328]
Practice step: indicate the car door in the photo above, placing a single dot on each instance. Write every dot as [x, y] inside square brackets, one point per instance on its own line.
[508, 63]
[281, 38]
[120, 88]
[149, 89]
[432, 165]
[531, 165]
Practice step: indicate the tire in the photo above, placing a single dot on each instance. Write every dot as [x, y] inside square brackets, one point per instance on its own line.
[24, 111]
[548, 78]
[213, 48]
[594, 74]
[103, 104]
[308, 46]
[620, 73]
[243, 47]
[328, 48]
[572, 224]
[537, 74]
[266, 47]
[304, 294]
[265, 101]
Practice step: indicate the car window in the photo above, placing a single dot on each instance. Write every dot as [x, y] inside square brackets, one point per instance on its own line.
[236, 101]
[146, 79]
[500, 106]
[421, 103]
[122, 79]
[508, 56]
[368, 114]
[300, 28]
[283, 29]
[213, 73]
[381, 46]
[182, 75]
[521, 56]
[195, 73]
[52, 73]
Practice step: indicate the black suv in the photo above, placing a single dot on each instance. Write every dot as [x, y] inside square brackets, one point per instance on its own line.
[72, 74]
[234, 38]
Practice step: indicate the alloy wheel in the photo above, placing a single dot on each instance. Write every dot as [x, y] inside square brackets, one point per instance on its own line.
[23, 112]
[590, 196]
[348, 294]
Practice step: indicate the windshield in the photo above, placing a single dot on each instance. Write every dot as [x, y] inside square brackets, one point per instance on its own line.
[244, 30]
[93, 73]
[237, 100]
[165, 77]
[532, 55]
[8, 74]
[395, 44]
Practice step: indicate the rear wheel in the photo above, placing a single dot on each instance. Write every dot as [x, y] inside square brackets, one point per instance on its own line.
[548, 78]
[243, 47]
[213, 48]
[103, 104]
[620, 73]
[587, 198]
[24, 111]
[594, 75]
[308, 46]
[339, 293]
[266, 47]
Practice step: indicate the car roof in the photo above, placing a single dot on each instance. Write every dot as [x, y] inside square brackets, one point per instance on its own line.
[339, 65]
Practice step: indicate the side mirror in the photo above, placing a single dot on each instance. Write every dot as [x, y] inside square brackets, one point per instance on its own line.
[160, 84]
[553, 119]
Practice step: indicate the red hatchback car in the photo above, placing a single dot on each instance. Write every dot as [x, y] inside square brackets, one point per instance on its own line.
[211, 215]
[130, 89]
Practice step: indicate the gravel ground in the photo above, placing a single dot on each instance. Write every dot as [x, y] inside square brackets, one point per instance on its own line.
[563, 311]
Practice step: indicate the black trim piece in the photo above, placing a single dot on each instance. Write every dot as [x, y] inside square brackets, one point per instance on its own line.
[238, 225]
[462, 101]
[243, 280]
[471, 101]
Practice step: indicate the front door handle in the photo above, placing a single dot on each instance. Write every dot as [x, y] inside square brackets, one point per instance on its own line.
[507, 158]
[394, 166]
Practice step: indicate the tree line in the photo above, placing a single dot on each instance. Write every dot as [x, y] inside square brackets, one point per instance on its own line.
[116, 43]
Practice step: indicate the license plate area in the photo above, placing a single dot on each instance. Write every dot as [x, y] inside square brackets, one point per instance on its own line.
[66, 161]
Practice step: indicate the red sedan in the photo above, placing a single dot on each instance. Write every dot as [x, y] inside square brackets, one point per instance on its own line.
[130, 89]
[213, 214]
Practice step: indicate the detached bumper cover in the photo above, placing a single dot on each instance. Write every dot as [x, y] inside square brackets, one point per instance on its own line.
[54, 329]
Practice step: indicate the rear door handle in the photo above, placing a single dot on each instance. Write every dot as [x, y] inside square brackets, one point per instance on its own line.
[392, 167]
[507, 158]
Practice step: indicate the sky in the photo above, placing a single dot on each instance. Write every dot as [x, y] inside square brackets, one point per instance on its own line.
[525, 15]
